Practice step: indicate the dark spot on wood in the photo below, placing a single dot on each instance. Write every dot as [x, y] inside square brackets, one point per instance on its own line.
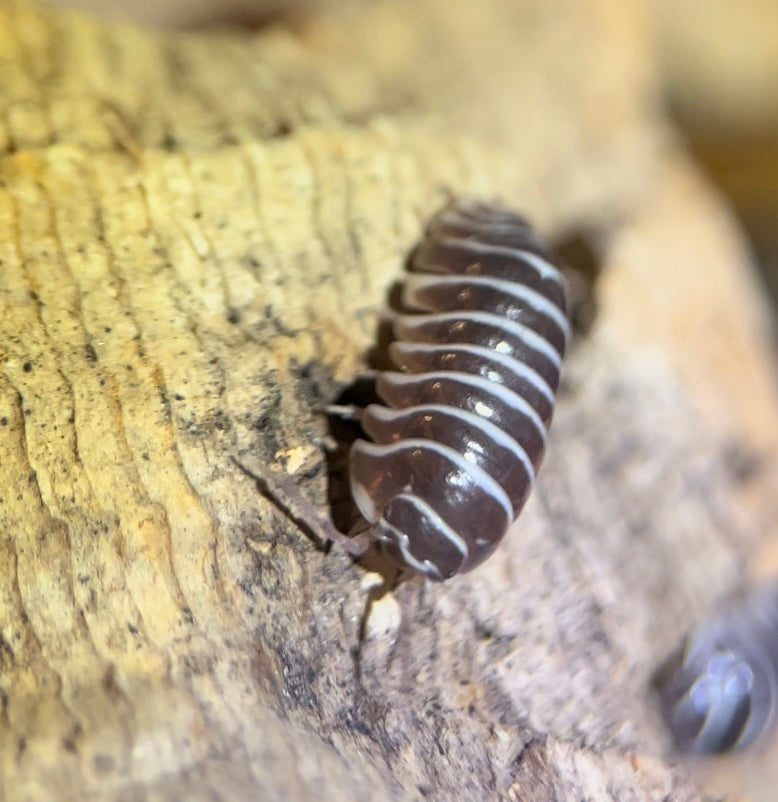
[69, 742]
[90, 353]
[233, 317]
[283, 129]
[109, 683]
[367, 716]
[278, 325]
[164, 400]
[178, 397]
[315, 381]
[299, 677]
[744, 464]
[483, 631]
[7, 656]
[251, 261]
[252, 17]
[169, 142]
[27, 367]
[302, 371]
[3, 421]
[221, 422]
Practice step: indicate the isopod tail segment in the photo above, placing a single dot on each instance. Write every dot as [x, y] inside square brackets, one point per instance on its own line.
[719, 692]
[285, 494]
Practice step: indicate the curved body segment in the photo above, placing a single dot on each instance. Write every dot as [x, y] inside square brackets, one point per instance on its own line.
[720, 691]
[456, 447]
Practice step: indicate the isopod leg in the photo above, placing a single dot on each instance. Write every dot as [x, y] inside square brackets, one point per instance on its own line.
[285, 494]
[349, 412]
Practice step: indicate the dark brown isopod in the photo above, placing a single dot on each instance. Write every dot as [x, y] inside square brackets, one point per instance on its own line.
[462, 430]
[456, 448]
[719, 692]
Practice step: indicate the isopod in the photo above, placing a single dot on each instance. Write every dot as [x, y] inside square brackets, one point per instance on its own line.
[456, 445]
[719, 693]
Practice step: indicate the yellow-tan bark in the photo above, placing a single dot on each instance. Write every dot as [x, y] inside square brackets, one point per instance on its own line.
[197, 233]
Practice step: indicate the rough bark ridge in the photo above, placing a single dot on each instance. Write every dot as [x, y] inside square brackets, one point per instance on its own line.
[197, 233]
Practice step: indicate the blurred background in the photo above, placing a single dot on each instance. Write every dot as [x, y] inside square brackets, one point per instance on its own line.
[716, 67]
[716, 63]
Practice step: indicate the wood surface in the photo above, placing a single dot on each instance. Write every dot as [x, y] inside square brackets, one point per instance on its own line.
[197, 234]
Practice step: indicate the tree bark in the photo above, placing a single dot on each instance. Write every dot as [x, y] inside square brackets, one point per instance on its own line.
[199, 232]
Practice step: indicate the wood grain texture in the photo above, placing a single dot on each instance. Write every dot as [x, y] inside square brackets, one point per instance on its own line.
[197, 233]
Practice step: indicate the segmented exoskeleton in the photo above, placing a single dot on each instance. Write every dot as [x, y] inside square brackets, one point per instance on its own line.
[455, 450]
[458, 440]
[720, 691]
